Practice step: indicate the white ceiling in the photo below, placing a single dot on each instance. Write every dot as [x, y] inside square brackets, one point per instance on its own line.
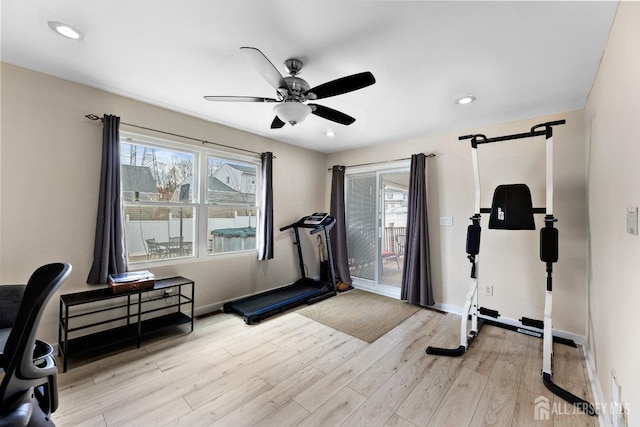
[520, 59]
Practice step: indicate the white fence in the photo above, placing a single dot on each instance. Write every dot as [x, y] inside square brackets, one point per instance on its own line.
[138, 231]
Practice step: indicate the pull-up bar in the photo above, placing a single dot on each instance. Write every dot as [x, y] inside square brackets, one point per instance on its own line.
[535, 131]
[519, 203]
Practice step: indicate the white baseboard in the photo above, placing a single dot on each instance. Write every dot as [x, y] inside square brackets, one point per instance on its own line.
[200, 311]
[598, 396]
[449, 308]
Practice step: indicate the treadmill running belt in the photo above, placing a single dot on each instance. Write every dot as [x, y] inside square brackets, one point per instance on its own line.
[260, 306]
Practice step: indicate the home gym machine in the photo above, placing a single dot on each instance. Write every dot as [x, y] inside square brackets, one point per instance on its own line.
[512, 209]
[304, 291]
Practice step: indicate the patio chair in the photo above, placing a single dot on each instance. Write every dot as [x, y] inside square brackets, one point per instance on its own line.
[154, 249]
[175, 249]
[187, 248]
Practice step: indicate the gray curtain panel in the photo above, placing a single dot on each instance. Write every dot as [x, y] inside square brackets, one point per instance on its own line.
[339, 231]
[265, 227]
[416, 277]
[109, 253]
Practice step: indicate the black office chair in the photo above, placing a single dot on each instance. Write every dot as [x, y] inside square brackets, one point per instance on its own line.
[29, 389]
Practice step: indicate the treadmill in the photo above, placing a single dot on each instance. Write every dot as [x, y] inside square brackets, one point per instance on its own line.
[305, 290]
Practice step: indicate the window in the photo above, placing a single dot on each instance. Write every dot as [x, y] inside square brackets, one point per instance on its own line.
[181, 202]
[376, 218]
[231, 205]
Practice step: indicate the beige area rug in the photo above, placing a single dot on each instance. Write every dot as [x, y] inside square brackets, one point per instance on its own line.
[361, 314]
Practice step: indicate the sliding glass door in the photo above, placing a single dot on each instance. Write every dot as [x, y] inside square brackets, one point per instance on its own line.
[376, 216]
[361, 218]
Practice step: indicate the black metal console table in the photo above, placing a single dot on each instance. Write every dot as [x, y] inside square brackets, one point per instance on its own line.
[96, 320]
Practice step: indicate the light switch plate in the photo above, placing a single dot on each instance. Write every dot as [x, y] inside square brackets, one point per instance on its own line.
[446, 220]
[632, 221]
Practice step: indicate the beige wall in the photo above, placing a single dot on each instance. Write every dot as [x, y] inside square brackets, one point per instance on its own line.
[612, 123]
[50, 176]
[509, 259]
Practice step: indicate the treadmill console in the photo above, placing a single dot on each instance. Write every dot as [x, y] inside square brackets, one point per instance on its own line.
[317, 222]
[316, 218]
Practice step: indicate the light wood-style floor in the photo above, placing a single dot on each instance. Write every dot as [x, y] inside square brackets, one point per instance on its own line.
[289, 371]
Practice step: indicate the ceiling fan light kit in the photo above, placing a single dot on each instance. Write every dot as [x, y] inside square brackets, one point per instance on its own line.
[292, 92]
[292, 112]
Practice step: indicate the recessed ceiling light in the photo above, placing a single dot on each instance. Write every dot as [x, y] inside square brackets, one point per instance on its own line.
[330, 133]
[66, 30]
[465, 99]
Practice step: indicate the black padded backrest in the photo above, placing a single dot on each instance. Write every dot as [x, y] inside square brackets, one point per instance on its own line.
[20, 371]
[11, 296]
[512, 208]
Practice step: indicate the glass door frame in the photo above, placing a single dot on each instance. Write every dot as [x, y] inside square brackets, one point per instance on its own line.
[379, 170]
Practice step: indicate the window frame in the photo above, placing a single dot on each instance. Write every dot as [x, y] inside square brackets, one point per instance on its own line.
[199, 201]
[210, 153]
[377, 169]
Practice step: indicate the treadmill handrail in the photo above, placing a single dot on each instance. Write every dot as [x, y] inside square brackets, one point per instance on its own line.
[326, 224]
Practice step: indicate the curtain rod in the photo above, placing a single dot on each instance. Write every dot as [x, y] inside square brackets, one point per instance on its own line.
[95, 117]
[380, 162]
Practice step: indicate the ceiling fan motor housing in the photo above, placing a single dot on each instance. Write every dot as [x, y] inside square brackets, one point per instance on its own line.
[297, 87]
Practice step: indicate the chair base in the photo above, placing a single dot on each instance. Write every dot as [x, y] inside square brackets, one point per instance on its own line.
[26, 412]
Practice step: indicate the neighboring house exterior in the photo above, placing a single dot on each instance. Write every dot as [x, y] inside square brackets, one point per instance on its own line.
[220, 193]
[217, 193]
[240, 178]
[138, 183]
[395, 199]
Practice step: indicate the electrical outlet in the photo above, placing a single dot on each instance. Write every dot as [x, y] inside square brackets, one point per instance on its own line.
[488, 290]
[618, 409]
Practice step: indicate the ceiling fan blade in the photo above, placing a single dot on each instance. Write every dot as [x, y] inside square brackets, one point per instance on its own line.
[277, 123]
[239, 99]
[331, 114]
[264, 67]
[343, 85]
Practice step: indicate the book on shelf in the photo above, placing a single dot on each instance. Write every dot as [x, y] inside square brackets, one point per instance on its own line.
[131, 281]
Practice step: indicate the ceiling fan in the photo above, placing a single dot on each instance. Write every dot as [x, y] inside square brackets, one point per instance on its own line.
[292, 92]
